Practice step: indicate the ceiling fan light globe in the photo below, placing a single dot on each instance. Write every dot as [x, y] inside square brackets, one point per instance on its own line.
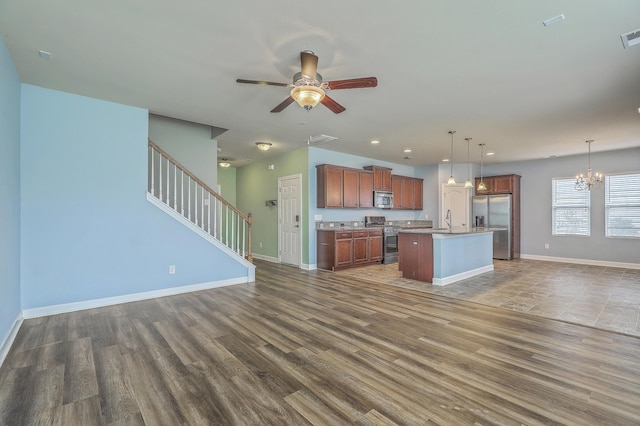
[307, 96]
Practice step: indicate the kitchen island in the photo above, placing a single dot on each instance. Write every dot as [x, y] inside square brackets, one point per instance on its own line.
[441, 256]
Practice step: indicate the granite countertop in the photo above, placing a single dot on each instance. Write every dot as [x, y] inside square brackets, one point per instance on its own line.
[454, 231]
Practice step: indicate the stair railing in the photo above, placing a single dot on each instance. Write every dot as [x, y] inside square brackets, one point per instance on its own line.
[178, 188]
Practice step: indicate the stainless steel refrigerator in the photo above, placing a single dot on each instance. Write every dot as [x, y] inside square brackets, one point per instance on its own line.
[494, 211]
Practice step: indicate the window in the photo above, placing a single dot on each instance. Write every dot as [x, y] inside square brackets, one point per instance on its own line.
[571, 208]
[622, 205]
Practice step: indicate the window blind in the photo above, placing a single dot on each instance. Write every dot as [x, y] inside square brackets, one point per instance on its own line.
[571, 208]
[622, 205]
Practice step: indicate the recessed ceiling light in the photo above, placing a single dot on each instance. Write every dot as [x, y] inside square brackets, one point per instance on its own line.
[407, 150]
[44, 55]
[553, 20]
[490, 153]
[446, 160]
[375, 142]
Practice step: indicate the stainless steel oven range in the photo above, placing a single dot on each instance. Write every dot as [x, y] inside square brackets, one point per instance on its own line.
[389, 237]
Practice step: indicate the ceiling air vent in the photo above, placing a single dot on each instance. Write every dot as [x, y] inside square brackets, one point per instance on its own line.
[631, 39]
[315, 140]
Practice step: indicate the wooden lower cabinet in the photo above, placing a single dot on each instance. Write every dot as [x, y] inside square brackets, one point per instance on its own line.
[415, 256]
[346, 249]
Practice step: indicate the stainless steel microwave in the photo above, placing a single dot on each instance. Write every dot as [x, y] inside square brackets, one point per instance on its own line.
[383, 199]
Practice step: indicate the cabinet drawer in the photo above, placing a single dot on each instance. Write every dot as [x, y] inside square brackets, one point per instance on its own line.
[375, 232]
[360, 234]
[344, 235]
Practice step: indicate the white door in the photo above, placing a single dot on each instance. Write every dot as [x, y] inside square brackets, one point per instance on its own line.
[456, 198]
[290, 219]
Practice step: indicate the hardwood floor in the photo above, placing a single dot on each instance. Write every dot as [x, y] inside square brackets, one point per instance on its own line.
[299, 347]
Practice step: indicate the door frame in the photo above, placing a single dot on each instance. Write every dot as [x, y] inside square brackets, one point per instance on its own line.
[298, 177]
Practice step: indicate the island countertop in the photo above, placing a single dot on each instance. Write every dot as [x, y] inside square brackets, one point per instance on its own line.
[445, 231]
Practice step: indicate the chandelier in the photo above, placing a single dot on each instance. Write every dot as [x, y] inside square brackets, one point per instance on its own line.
[591, 180]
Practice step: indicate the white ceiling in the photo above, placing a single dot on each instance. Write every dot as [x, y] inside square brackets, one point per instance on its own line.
[488, 69]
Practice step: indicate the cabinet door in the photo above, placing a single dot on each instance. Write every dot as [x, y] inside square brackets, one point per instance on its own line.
[360, 246]
[502, 185]
[417, 194]
[375, 247]
[344, 252]
[386, 179]
[407, 193]
[396, 189]
[365, 190]
[329, 186]
[350, 188]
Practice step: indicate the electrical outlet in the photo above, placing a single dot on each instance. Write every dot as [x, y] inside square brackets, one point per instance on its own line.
[260, 244]
[546, 245]
[426, 216]
[172, 269]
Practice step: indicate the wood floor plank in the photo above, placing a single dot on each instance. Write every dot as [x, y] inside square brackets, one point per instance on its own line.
[313, 347]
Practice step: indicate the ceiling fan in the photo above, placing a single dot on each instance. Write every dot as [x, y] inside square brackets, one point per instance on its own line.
[308, 89]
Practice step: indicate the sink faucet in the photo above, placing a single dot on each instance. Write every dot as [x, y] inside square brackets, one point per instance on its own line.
[448, 220]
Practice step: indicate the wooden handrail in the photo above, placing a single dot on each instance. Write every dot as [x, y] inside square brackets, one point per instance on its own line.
[247, 218]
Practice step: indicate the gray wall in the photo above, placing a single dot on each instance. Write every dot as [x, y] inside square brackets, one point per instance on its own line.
[536, 207]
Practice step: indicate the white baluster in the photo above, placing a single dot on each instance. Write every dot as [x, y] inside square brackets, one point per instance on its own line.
[175, 187]
[153, 171]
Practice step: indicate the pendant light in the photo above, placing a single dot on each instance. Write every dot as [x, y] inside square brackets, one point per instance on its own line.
[468, 183]
[481, 185]
[451, 180]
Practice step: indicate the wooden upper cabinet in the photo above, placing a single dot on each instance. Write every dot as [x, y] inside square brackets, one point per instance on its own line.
[503, 184]
[407, 192]
[329, 186]
[417, 194]
[396, 189]
[350, 188]
[365, 191]
[381, 178]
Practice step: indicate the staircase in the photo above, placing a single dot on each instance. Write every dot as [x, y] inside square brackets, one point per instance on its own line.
[174, 187]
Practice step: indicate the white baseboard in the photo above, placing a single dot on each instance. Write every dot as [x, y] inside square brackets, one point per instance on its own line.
[582, 261]
[457, 277]
[134, 297]
[265, 258]
[10, 337]
[309, 267]
[306, 267]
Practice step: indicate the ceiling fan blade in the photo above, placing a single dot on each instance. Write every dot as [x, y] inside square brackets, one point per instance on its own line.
[283, 104]
[353, 83]
[267, 83]
[309, 64]
[332, 105]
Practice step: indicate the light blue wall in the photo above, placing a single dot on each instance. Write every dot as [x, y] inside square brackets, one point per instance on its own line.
[536, 207]
[87, 230]
[9, 193]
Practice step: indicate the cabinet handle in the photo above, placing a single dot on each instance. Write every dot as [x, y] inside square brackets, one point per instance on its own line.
[324, 244]
[415, 243]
